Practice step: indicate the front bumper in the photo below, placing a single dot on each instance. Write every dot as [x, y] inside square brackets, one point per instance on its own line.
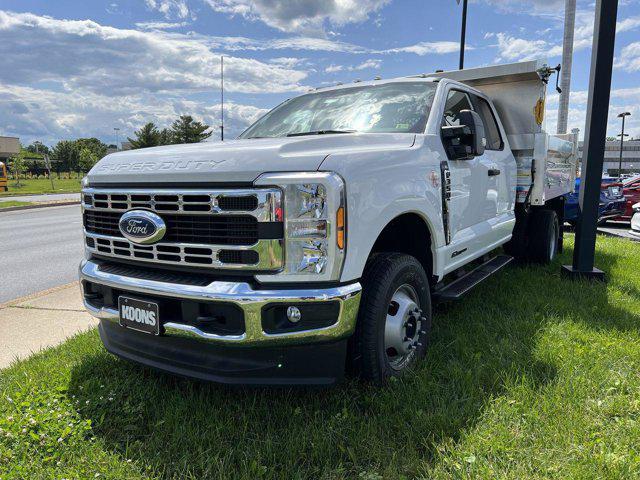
[187, 349]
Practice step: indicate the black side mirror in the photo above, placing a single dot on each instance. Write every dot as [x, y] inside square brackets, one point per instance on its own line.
[467, 140]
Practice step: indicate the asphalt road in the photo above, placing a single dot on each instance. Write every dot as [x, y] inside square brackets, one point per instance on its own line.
[39, 249]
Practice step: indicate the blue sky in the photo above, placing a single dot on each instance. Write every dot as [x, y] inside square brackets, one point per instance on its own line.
[72, 68]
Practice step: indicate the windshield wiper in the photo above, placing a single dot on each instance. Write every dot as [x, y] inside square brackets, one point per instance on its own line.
[319, 132]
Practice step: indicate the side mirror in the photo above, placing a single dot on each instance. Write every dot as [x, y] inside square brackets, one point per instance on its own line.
[467, 140]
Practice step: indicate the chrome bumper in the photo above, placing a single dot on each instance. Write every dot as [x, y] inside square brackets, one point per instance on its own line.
[240, 294]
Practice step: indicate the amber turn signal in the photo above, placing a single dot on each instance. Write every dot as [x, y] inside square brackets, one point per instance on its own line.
[340, 228]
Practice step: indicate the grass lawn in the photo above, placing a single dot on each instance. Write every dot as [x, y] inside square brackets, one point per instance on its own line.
[528, 377]
[13, 203]
[43, 185]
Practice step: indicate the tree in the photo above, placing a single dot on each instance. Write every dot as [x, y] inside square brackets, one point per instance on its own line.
[93, 144]
[17, 165]
[66, 154]
[147, 136]
[165, 137]
[38, 147]
[187, 130]
[87, 159]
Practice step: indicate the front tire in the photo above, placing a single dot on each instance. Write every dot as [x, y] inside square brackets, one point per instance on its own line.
[394, 320]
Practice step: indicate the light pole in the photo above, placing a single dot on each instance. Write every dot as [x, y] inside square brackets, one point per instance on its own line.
[463, 31]
[116, 129]
[622, 115]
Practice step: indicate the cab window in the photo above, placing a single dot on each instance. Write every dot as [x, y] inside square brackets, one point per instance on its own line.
[491, 130]
[456, 102]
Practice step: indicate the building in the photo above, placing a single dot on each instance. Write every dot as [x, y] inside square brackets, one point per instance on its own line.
[9, 146]
[630, 156]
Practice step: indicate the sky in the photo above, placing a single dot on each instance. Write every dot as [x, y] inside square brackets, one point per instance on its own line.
[72, 69]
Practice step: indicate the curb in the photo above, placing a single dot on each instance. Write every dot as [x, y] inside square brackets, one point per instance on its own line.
[44, 205]
[31, 296]
[18, 194]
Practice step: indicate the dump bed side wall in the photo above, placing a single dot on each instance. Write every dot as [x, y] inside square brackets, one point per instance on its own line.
[554, 162]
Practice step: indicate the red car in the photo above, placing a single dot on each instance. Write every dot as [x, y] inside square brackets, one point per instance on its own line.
[631, 191]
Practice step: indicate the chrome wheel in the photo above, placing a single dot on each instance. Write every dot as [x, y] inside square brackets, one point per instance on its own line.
[403, 327]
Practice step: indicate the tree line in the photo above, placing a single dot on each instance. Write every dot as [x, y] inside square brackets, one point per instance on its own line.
[83, 153]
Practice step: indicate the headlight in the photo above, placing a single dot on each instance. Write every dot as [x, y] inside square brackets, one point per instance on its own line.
[314, 216]
[84, 182]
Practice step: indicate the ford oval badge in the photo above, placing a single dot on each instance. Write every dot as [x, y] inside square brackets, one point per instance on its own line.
[141, 226]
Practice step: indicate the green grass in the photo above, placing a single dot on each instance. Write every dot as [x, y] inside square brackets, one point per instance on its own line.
[529, 377]
[13, 203]
[42, 185]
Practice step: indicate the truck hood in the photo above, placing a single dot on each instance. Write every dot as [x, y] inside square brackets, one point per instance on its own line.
[239, 161]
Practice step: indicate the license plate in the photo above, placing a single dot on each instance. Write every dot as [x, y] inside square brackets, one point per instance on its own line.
[139, 315]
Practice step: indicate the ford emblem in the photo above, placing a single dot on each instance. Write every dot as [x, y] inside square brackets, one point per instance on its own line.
[141, 226]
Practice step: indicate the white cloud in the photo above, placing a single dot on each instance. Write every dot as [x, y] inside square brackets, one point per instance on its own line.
[429, 48]
[629, 59]
[160, 25]
[520, 49]
[334, 68]
[300, 15]
[171, 8]
[39, 114]
[84, 54]
[370, 63]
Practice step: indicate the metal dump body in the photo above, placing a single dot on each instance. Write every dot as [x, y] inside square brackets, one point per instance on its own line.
[547, 164]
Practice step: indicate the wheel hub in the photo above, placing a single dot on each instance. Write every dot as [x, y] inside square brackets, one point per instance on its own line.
[403, 326]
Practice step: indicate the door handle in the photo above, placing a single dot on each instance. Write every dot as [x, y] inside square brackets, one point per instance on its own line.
[492, 172]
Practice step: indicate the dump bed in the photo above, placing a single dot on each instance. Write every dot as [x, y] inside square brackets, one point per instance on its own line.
[547, 164]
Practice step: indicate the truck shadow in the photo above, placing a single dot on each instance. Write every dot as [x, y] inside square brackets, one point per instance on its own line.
[479, 346]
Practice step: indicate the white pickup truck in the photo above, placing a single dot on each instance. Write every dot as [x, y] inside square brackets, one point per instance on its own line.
[318, 240]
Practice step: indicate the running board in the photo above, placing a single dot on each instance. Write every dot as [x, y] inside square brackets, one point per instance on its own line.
[460, 286]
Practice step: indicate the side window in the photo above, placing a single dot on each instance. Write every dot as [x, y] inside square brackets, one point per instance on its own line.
[456, 102]
[491, 130]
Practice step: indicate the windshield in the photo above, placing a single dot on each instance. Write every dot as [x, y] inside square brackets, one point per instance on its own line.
[401, 107]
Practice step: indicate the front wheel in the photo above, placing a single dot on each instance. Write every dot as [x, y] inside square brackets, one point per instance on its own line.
[394, 320]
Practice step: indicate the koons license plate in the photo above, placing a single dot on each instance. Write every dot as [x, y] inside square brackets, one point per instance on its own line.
[139, 315]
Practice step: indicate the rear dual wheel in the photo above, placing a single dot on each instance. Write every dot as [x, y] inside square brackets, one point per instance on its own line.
[394, 320]
[536, 240]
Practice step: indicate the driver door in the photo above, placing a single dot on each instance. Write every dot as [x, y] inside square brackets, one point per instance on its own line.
[473, 201]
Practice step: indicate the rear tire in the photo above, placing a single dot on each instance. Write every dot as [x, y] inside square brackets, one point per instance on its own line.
[394, 320]
[544, 231]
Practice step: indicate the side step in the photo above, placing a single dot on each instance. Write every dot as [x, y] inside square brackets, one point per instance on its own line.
[460, 286]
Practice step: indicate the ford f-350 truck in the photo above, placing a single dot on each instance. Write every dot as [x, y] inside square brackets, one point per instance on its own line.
[319, 240]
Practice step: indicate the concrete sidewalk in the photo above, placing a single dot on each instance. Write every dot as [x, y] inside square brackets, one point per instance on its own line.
[41, 320]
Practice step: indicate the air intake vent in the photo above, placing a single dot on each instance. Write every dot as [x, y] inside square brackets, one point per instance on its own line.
[245, 203]
[239, 257]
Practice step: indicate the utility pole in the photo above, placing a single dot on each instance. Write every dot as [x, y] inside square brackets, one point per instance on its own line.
[463, 32]
[116, 129]
[567, 57]
[622, 115]
[604, 36]
[221, 98]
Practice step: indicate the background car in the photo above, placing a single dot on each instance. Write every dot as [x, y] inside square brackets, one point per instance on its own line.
[612, 202]
[631, 192]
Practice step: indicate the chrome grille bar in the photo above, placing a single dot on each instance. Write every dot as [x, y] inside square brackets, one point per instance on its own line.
[195, 202]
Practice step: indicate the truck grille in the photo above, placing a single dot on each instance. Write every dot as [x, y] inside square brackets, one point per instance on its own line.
[227, 229]
[217, 230]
